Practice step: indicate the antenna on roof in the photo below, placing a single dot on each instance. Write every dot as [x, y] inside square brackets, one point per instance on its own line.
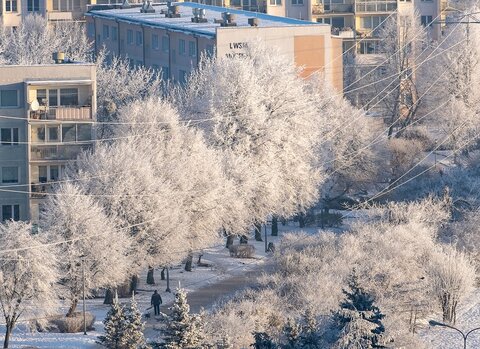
[147, 7]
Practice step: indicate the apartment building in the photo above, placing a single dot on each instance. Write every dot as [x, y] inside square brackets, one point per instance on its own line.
[47, 114]
[13, 11]
[173, 36]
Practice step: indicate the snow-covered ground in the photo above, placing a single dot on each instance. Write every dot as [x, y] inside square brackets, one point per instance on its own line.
[222, 266]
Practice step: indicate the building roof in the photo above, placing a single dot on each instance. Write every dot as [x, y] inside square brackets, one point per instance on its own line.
[184, 23]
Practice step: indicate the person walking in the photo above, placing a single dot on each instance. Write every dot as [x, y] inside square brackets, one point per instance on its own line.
[156, 301]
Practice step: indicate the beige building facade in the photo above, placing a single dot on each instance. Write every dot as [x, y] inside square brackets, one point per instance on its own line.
[47, 115]
[175, 41]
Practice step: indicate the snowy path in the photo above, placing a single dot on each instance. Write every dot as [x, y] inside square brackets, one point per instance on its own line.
[468, 318]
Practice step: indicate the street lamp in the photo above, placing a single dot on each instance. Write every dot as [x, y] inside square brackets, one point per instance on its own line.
[464, 335]
[83, 295]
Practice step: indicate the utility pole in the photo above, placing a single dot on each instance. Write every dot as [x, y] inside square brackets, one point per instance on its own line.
[266, 244]
[168, 281]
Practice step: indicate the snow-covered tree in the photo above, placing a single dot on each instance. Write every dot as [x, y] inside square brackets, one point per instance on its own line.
[116, 323]
[453, 278]
[261, 117]
[182, 329]
[133, 335]
[34, 41]
[118, 85]
[28, 274]
[263, 341]
[359, 320]
[93, 248]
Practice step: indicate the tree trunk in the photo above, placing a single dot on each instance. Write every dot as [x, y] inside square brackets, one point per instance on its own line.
[200, 259]
[258, 231]
[133, 284]
[274, 226]
[8, 332]
[162, 274]
[301, 220]
[230, 240]
[73, 306]
[188, 263]
[150, 276]
[108, 297]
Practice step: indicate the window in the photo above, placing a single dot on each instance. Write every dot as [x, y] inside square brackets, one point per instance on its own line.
[165, 44]
[276, 2]
[181, 47]
[68, 133]
[11, 5]
[9, 136]
[55, 5]
[69, 96]
[138, 38]
[371, 22]
[426, 20]
[84, 132]
[368, 47]
[192, 49]
[38, 133]
[33, 5]
[210, 50]
[53, 98]
[182, 76]
[114, 33]
[53, 133]
[130, 37]
[323, 20]
[8, 98]
[42, 174]
[9, 175]
[155, 44]
[11, 212]
[54, 173]
[106, 32]
[165, 73]
[297, 2]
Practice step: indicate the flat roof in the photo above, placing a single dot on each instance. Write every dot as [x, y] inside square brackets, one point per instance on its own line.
[184, 22]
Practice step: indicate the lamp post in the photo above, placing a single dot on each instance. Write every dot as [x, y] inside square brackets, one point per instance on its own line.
[168, 281]
[464, 335]
[83, 296]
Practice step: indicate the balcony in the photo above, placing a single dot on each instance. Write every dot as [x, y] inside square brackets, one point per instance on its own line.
[375, 6]
[57, 152]
[63, 113]
[38, 190]
[345, 33]
[320, 9]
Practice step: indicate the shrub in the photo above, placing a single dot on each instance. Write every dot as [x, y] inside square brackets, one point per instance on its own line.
[242, 251]
[73, 323]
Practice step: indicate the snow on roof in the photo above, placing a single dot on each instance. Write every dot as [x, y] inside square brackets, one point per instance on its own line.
[184, 23]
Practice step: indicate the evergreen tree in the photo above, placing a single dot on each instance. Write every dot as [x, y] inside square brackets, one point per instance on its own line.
[224, 343]
[263, 341]
[133, 336]
[115, 326]
[292, 332]
[183, 331]
[309, 337]
[358, 320]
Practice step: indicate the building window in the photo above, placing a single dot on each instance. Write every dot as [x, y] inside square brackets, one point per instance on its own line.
[129, 37]
[106, 32]
[138, 38]
[165, 73]
[9, 136]
[53, 133]
[10, 5]
[181, 47]
[155, 43]
[426, 20]
[114, 33]
[69, 96]
[8, 98]
[368, 47]
[11, 212]
[33, 5]
[210, 50]
[165, 44]
[297, 2]
[182, 76]
[192, 49]
[276, 2]
[9, 175]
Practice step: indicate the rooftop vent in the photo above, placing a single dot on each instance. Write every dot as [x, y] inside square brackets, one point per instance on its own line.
[199, 15]
[147, 7]
[253, 22]
[125, 4]
[173, 11]
[58, 57]
[228, 20]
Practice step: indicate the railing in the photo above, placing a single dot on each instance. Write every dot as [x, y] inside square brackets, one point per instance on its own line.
[375, 6]
[62, 113]
[57, 152]
[346, 33]
[39, 190]
[319, 9]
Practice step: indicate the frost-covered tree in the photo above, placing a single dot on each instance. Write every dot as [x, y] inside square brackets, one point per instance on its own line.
[263, 341]
[34, 41]
[116, 323]
[291, 332]
[359, 321]
[453, 278]
[93, 248]
[309, 337]
[28, 274]
[262, 119]
[118, 85]
[182, 329]
[133, 336]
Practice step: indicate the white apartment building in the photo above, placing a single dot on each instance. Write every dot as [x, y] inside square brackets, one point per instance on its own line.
[47, 113]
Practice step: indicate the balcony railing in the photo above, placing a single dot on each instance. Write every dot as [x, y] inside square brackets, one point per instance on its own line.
[38, 190]
[320, 9]
[63, 113]
[346, 33]
[57, 152]
[375, 6]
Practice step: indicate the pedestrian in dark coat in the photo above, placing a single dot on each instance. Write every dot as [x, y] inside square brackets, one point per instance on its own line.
[156, 301]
